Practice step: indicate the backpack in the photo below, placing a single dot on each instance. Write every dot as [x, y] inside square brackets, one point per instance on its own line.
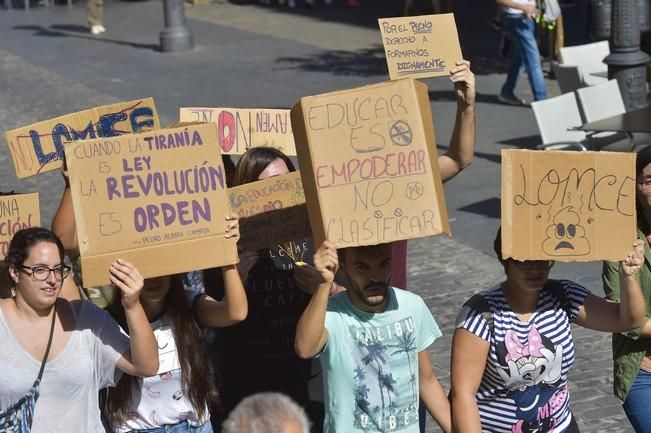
[481, 305]
[551, 10]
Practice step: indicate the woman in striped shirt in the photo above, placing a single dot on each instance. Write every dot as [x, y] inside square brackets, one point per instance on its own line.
[512, 349]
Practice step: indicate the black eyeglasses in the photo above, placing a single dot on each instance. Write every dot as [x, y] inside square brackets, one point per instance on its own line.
[42, 272]
[645, 183]
[533, 264]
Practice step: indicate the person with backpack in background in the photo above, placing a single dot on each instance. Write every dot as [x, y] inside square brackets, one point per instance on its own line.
[519, 23]
[513, 348]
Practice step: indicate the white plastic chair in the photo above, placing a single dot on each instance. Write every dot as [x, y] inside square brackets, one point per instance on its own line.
[554, 117]
[568, 77]
[601, 101]
[590, 60]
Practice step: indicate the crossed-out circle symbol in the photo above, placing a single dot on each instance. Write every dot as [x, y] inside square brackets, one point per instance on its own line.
[400, 133]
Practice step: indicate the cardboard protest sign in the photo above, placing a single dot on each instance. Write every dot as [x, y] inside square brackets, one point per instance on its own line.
[420, 47]
[157, 199]
[271, 211]
[240, 129]
[38, 148]
[369, 164]
[17, 212]
[568, 206]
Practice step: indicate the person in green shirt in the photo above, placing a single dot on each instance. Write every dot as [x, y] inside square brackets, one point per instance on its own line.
[632, 349]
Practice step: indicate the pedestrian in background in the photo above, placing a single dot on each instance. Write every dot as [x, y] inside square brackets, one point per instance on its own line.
[96, 16]
[519, 23]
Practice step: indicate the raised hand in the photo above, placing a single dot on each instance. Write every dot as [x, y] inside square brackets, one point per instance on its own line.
[464, 83]
[232, 226]
[326, 261]
[634, 260]
[307, 277]
[127, 278]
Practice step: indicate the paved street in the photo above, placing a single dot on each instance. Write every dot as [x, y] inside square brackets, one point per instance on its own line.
[252, 56]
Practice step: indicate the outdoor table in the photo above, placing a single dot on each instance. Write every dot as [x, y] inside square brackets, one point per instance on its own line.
[600, 74]
[632, 121]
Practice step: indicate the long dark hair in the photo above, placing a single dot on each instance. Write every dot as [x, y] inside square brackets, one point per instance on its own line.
[197, 376]
[254, 161]
[642, 159]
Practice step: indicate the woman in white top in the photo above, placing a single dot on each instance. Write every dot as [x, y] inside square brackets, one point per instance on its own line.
[177, 398]
[88, 347]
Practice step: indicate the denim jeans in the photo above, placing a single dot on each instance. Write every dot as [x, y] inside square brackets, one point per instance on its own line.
[182, 427]
[524, 55]
[638, 403]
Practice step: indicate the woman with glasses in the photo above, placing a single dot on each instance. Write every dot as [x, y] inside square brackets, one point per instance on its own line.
[80, 346]
[632, 349]
[513, 349]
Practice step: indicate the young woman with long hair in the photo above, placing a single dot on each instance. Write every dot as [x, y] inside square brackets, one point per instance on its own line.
[178, 397]
[258, 355]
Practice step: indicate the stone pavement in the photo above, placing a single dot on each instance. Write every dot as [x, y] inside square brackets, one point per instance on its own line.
[248, 55]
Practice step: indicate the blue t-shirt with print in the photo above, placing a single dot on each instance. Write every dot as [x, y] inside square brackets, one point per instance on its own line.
[370, 363]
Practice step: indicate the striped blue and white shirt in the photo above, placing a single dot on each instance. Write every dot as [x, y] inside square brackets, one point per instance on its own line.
[524, 387]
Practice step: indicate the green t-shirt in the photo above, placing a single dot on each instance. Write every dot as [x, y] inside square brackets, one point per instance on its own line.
[370, 364]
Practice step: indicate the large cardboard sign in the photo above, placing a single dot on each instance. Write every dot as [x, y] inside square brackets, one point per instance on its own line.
[157, 199]
[271, 211]
[17, 212]
[420, 47]
[567, 206]
[38, 148]
[240, 129]
[369, 164]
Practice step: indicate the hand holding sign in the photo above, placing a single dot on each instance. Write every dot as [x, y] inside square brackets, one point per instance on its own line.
[634, 260]
[232, 226]
[464, 84]
[127, 278]
[307, 277]
[326, 261]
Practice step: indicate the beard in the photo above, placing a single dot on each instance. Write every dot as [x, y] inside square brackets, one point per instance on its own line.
[378, 296]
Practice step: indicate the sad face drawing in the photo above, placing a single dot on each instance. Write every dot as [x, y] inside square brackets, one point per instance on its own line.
[566, 236]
